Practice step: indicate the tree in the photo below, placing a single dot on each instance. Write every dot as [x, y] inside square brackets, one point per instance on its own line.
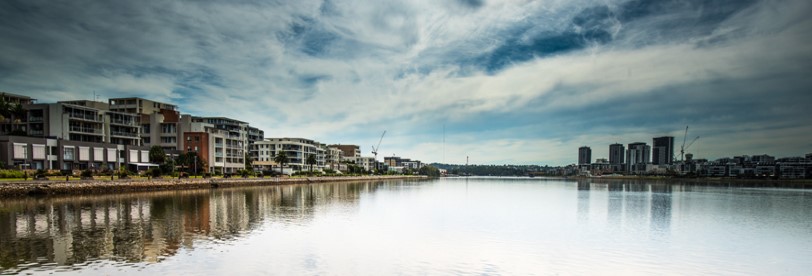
[195, 162]
[157, 155]
[5, 108]
[188, 159]
[430, 171]
[248, 165]
[311, 160]
[18, 112]
[281, 158]
[167, 167]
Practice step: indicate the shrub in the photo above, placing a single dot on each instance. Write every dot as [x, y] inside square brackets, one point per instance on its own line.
[307, 173]
[11, 174]
[87, 173]
[244, 173]
[123, 173]
[39, 174]
[155, 172]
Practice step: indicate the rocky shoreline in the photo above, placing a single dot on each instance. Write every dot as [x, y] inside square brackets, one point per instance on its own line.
[54, 187]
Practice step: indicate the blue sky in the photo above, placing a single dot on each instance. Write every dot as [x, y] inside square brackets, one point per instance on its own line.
[512, 82]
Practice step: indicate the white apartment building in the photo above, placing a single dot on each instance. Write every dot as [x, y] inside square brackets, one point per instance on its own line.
[332, 157]
[368, 163]
[296, 149]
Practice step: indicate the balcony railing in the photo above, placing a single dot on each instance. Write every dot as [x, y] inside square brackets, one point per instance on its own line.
[123, 133]
[86, 130]
[89, 117]
[33, 119]
[124, 122]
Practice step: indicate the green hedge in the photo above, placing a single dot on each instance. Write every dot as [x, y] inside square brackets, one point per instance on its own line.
[11, 174]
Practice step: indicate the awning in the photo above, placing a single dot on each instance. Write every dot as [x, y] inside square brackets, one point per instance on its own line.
[144, 164]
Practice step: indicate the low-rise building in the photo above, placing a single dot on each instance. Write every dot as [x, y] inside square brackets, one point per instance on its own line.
[296, 149]
[59, 154]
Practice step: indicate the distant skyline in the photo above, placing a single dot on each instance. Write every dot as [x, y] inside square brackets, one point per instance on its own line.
[506, 82]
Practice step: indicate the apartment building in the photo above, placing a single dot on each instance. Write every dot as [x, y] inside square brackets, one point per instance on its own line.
[121, 128]
[663, 150]
[296, 149]
[235, 139]
[158, 121]
[638, 156]
[60, 154]
[222, 150]
[332, 156]
[137, 105]
[67, 121]
[254, 135]
[348, 151]
[584, 155]
[368, 163]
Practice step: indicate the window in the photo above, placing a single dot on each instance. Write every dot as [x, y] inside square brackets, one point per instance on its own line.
[145, 156]
[168, 128]
[197, 138]
[145, 128]
[133, 156]
[98, 154]
[20, 151]
[39, 151]
[84, 154]
[69, 153]
[111, 155]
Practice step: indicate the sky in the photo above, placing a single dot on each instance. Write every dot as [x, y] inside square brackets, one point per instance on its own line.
[499, 82]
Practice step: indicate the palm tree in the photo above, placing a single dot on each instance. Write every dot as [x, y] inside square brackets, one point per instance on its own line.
[281, 158]
[311, 160]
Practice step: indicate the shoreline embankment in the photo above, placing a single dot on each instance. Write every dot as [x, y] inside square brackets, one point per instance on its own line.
[704, 181]
[54, 187]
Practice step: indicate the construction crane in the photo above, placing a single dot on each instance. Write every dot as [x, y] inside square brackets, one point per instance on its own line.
[683, 147]
[375, 149]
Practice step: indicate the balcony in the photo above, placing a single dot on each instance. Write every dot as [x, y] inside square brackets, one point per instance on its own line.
[86, 130]
[124, 134]
[82, 116]
[124, 122]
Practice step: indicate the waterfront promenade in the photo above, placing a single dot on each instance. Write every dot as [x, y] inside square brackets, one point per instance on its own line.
[55, 187]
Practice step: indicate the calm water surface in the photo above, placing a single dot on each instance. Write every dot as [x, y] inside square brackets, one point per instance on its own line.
[448, 226]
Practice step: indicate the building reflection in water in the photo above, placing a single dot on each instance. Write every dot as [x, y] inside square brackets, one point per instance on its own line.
[661, 207]
[637, 205]
[615, 203]
[147, 227]
[583, 200]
